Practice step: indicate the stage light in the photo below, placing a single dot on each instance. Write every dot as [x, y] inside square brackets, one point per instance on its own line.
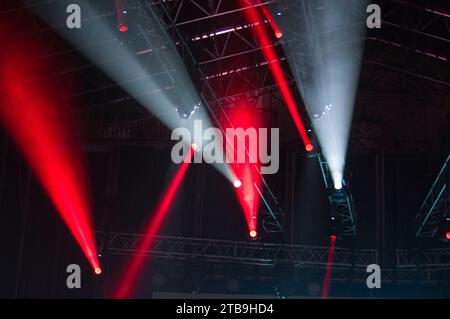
[447, 235]
[330, 85]
[333, 237]
[237, 183]
[253, 233]
[194, 146]
[119, 13]
[98, 270]
[276, 30]
[309, 147]
[337, 179]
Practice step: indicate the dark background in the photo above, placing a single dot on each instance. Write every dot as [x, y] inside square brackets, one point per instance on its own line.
[400, 138]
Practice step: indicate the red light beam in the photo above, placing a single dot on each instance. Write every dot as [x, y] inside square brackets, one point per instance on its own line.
[277, 72]
[132, 271]
[42, 135]
[329, 268]
[276, 30]
[247, 174]
[119, 12]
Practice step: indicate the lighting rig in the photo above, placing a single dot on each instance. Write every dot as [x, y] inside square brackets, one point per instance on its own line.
[343, 216]
[434, 213]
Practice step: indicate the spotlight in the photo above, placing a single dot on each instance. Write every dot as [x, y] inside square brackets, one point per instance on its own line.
[253, 233]
[333, 238]
[447, 235]
[278, 34]
[123, 28]
[338, 185]
[98, 270]
[237, 183]
[309, 147]
[194, 146]
[337, 180]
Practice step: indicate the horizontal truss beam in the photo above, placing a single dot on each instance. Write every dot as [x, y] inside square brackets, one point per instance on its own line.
[255, 253]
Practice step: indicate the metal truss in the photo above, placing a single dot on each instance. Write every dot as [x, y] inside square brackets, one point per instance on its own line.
[206, 10]
[416, 276]
[226, 49]
[222, 51]
[436, 205]
[254, 253]
[415, 44]
[341, 200]
[270, 212]
[435, 258]
[257, 259]
[236, 56]
[392, 276]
